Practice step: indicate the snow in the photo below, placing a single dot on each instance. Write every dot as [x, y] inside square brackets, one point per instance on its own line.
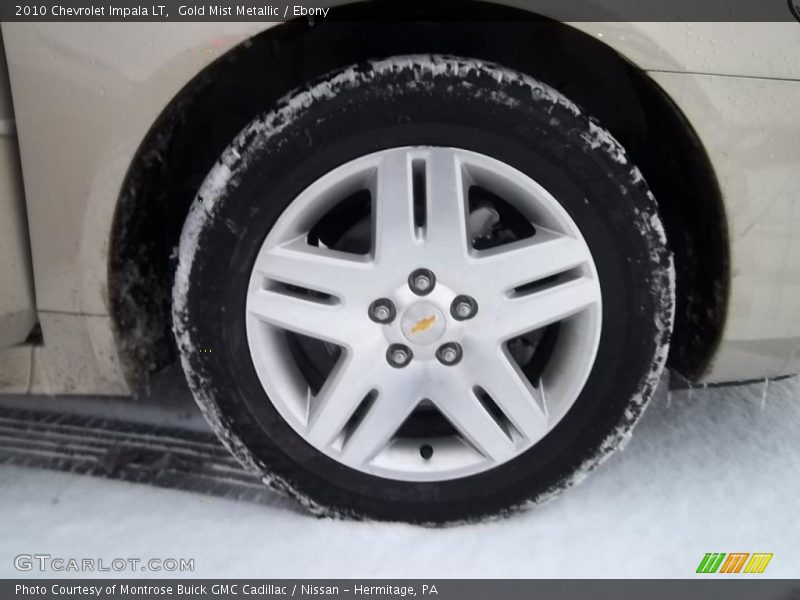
[597, 137]
[714, 470]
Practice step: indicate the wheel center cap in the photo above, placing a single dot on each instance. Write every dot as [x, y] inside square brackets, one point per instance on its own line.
[423, 323]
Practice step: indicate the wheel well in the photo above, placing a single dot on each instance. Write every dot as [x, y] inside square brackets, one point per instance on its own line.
[208, 113]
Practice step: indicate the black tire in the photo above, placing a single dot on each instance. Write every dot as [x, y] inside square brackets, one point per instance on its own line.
[423, 100]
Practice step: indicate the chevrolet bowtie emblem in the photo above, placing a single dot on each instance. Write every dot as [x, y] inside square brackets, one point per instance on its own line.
[423, 324]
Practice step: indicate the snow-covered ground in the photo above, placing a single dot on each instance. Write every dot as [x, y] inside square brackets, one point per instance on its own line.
[715, 470]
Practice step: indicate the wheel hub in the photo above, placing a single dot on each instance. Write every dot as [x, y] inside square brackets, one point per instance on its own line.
[423, 323]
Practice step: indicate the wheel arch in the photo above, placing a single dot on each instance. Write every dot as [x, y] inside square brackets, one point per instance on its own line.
[201, 120]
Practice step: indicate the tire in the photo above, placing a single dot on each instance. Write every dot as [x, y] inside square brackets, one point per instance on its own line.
[424, 104]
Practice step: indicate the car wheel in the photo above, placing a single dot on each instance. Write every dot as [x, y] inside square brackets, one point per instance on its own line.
[423, 288]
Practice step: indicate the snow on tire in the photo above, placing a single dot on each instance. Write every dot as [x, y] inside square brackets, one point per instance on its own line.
[425, 288]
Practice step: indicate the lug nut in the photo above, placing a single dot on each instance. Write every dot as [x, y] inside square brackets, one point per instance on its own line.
[422, 282]
[463, 308]
[382, 311]
[449, 354]
[398, 355]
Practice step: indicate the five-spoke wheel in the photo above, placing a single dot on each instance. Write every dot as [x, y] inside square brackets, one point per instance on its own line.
[442, 353]
[435, 290]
